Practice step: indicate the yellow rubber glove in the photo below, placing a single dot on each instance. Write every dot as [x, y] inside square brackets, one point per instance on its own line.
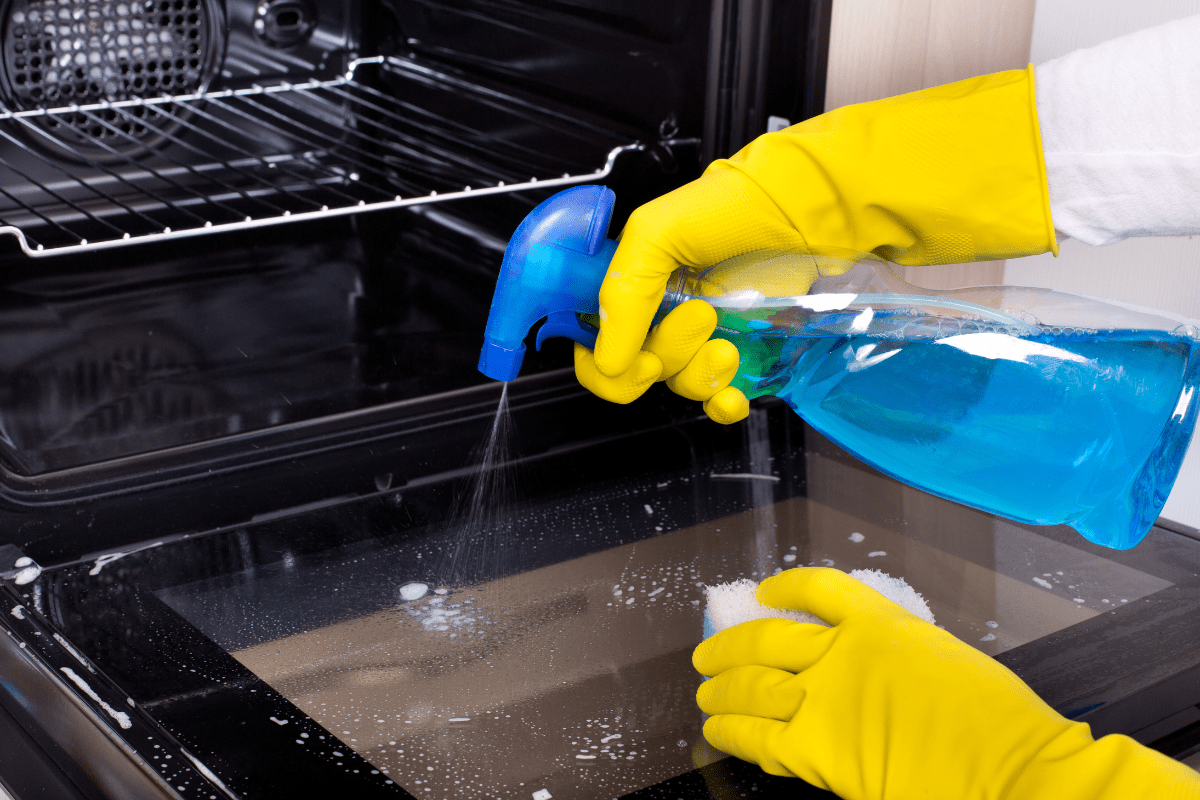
[883, 705]
[680, 352]
[944, 175]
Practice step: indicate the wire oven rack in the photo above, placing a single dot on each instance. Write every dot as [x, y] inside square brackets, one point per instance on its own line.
[116, 173]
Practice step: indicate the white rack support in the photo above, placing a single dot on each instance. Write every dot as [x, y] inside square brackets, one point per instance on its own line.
[202, 178]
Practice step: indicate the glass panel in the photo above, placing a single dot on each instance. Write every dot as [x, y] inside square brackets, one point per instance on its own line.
[575, 678]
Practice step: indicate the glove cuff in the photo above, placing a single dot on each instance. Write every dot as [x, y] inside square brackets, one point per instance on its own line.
[1073, 766]
[948, 174]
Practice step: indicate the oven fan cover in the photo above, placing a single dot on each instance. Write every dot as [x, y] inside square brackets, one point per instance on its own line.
[58, 53]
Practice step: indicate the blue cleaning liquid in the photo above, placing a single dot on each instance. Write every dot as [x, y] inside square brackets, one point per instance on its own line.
[1082, 428]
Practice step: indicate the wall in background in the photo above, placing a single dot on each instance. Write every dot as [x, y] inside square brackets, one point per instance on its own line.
[1160, 273]
[879, 48]
[1060, 26]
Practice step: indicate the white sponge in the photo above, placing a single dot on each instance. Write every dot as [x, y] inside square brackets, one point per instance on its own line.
[730, 604]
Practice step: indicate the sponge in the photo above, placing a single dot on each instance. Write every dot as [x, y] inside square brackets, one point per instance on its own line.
[730, 604]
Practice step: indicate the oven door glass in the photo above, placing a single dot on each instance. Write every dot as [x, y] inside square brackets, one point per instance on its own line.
[545, 652]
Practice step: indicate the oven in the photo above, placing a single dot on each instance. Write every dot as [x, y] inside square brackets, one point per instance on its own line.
[248, 253]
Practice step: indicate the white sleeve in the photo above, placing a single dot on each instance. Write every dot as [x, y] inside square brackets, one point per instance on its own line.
[1120, 126]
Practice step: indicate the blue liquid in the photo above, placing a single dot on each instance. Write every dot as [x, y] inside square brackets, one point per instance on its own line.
[1084, 429]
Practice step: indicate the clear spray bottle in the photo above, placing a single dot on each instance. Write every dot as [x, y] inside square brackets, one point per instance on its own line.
[1040, 406]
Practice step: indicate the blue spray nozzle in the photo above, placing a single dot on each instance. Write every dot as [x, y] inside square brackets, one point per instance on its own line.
[553, 268]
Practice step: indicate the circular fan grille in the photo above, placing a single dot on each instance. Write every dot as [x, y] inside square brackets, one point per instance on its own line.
[61, 52]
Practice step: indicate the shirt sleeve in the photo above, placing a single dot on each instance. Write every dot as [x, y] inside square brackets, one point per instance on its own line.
[1120, 127]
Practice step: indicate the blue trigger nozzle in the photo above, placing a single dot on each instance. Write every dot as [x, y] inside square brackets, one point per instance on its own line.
[553, 268]
[499, 363]
[567, 324]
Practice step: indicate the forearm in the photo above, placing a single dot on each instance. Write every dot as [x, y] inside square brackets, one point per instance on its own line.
[1120, 129]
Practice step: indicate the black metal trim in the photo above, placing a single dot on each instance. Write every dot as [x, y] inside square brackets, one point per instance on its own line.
[766, 58]
[1178, 527]
[1121, 671]
[72, 731]
[161, 468]
[816, 68]
[165, 753]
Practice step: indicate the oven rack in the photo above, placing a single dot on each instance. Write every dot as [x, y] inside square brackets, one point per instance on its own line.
[113, 174]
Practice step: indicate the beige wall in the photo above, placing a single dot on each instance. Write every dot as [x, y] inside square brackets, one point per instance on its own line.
[879, 48]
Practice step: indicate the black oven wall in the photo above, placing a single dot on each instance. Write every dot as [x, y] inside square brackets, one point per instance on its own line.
[642, 65]
[715, 70]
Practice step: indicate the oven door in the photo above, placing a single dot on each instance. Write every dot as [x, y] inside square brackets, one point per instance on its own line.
[372, 643]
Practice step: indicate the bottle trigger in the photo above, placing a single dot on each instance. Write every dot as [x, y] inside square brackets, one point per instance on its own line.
[568, 325]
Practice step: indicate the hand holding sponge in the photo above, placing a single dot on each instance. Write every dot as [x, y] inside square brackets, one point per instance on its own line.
[883, 705]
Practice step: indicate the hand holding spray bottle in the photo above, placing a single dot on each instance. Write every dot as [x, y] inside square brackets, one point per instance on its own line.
[1039, 406]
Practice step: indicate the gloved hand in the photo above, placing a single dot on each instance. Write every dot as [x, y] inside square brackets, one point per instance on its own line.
[680, 352]
[883, 705]
[944, 175]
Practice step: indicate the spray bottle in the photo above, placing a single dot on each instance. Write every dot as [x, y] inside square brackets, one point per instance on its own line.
[1039, 406]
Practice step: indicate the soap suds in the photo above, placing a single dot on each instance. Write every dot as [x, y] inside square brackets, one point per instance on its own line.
[78, 656]
[207, 773]
[413, 591]
[1045, 584]
[596, 740]
[120, 716]
[108, 558]
[18, 612]
[856, 537]
[669, 584]
[435, 614]
[103, 560]
[28, 574]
